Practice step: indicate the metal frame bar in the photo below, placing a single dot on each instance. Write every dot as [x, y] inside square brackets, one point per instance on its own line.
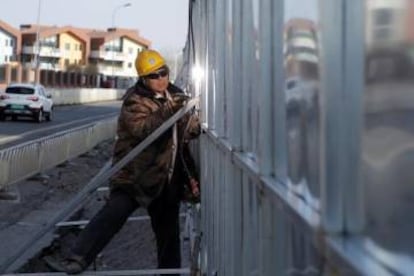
[219, 116]
[204, 210]
[211, 72]
[235, 136]
[84, 221]
[228, 211]
[115, 272]
[332, 188]
[279, 110]
[266, 98]
[228, 64]
[353, 93]
[246, 74]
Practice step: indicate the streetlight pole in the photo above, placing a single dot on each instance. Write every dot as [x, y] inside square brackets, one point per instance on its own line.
[115, 10]
[37, 44]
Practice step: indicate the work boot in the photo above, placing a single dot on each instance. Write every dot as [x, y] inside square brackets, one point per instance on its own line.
[70, 266]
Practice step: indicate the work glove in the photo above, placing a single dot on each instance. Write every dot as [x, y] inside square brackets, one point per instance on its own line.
[192, 191]
[178, 101]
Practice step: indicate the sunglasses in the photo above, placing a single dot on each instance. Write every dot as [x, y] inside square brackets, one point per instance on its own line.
[160, 74]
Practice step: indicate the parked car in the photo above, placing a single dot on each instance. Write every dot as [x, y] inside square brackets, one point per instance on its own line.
[26, 100]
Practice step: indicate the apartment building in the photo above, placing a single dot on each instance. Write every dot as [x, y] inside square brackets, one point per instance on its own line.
[389, 39]
[58, 47]
[385, 20]
[114, 51]
[301, 50]
[10, 43]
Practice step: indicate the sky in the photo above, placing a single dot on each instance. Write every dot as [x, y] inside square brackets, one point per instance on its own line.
[308, 9]
[163, 22]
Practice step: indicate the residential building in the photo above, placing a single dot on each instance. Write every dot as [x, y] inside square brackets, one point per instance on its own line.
[10, 41]
[301, 49]
[58, 48]
[389, 39]
[385, 21]
[109, 53]
[114, 51]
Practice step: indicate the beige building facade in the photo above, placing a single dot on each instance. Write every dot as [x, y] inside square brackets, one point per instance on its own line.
[108, 52]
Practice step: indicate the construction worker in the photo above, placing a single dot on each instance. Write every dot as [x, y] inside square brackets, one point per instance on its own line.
[156, 179]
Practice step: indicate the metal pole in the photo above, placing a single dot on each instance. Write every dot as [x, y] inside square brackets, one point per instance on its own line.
[115, 10]
[37, 44]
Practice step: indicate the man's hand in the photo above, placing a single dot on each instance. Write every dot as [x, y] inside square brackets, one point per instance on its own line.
[195, 187]
[178, 101]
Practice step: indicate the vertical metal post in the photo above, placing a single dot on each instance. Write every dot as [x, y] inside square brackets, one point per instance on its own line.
[266, 102]
[217, 210]
[246, 246]
[212, 66]
[268, 264]
[246, 71]
[219, 65]
[353, 91]
[229, 229]
[278, 88]
[237, 220]
[205, 64]
[236, 111]
[332, 190]
[229, 73]
[204, 200]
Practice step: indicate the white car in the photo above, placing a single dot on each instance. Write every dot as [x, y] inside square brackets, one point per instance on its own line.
[28, 100]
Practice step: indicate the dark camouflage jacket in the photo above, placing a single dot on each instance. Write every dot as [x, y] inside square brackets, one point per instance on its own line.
[145, 176]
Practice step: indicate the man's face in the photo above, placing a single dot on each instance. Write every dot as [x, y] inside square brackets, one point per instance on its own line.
[158, 81]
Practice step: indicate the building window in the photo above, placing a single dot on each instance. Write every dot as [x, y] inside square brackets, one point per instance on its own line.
[66, 62]
[67, 46]
[383, 27]
[7, 42]
[6, 58]
[130, 51]
[80, 47]
[382, 34]
[383, 17]
[129, 64]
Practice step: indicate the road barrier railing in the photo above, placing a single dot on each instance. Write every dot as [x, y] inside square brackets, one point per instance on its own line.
[37, 156]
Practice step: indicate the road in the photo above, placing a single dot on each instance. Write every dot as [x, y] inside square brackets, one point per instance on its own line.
[64, 117]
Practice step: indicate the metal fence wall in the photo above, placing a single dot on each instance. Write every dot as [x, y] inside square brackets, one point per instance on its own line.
[258, 216]
[25, 160]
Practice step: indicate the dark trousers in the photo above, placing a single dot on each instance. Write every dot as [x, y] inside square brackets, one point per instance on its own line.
[110, 219]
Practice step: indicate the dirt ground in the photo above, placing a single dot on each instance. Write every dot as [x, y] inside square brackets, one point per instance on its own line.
[41, 197]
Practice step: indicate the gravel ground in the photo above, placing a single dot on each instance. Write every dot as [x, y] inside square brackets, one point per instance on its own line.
[40, 198]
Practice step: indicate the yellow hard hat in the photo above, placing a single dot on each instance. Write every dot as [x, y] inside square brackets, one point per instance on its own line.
[148, 61]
